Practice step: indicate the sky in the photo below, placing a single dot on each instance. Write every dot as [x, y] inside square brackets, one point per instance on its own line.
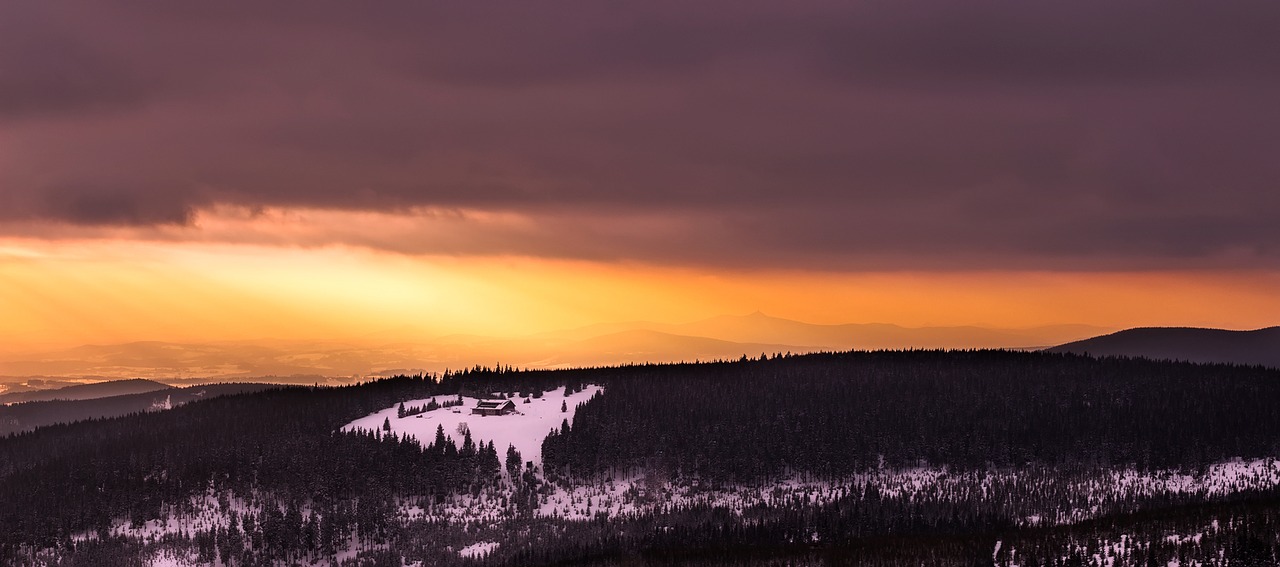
[247, 170]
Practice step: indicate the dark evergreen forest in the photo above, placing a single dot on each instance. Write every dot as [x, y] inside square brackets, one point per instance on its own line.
[837, 414]
[1045, 417]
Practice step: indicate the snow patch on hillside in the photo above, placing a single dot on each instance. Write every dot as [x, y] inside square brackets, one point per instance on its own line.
[480, 549]
[203, 512]
[170, 558]
[1218, 479]
[640, 493]
[627, 496]
[1116, 551]
[525, 429]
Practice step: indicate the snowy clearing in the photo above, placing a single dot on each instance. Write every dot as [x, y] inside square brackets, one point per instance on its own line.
[525, 429]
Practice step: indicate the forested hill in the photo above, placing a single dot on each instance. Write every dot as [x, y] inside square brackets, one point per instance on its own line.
[728, 423]
[1261, 347]
[83, 475]
[836, 414]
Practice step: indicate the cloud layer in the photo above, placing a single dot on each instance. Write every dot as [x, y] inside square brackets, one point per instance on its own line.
[840, 135]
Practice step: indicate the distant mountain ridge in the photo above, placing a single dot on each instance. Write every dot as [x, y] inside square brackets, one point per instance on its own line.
[26, 416]
[720, 337]
[761, 328]
[642, 345]
[1256, 347]
[86, 391]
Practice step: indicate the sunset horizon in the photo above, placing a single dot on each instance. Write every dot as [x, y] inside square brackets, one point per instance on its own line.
[62, 293]
[67, 290]
[339, 175]
[573, 283]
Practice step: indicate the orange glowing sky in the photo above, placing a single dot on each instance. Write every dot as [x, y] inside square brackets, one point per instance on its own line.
[280, 281]
[209, 172]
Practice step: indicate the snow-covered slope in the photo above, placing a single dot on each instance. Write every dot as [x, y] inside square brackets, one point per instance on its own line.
[524, 429]
[479, 549]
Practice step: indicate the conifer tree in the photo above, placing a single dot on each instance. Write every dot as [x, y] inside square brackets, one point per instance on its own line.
[513, 461]
[439, 441]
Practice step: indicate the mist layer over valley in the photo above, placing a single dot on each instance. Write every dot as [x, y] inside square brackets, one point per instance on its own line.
[405, 351]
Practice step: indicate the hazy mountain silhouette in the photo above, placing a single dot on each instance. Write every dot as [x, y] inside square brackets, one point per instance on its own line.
[641, 345]
[760, 328]
[608, 349]
[1260, 346]
[176, 363]
[30, 415]
[15, 384]
[86, 391]
[305, 363]
[605, 344]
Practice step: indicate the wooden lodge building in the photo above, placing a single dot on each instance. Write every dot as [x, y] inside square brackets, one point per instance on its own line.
[494, 407]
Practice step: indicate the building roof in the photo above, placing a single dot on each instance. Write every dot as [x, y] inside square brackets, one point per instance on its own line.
[493, 404]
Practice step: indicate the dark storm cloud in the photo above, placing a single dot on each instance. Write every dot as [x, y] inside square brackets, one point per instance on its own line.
[844, 135]
[128, 205]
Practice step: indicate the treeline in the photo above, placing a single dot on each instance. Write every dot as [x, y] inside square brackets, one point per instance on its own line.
[64, 480]
[837, 414]
[1244, 533]
[882, 532]
[431, 405]
[829, 415]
